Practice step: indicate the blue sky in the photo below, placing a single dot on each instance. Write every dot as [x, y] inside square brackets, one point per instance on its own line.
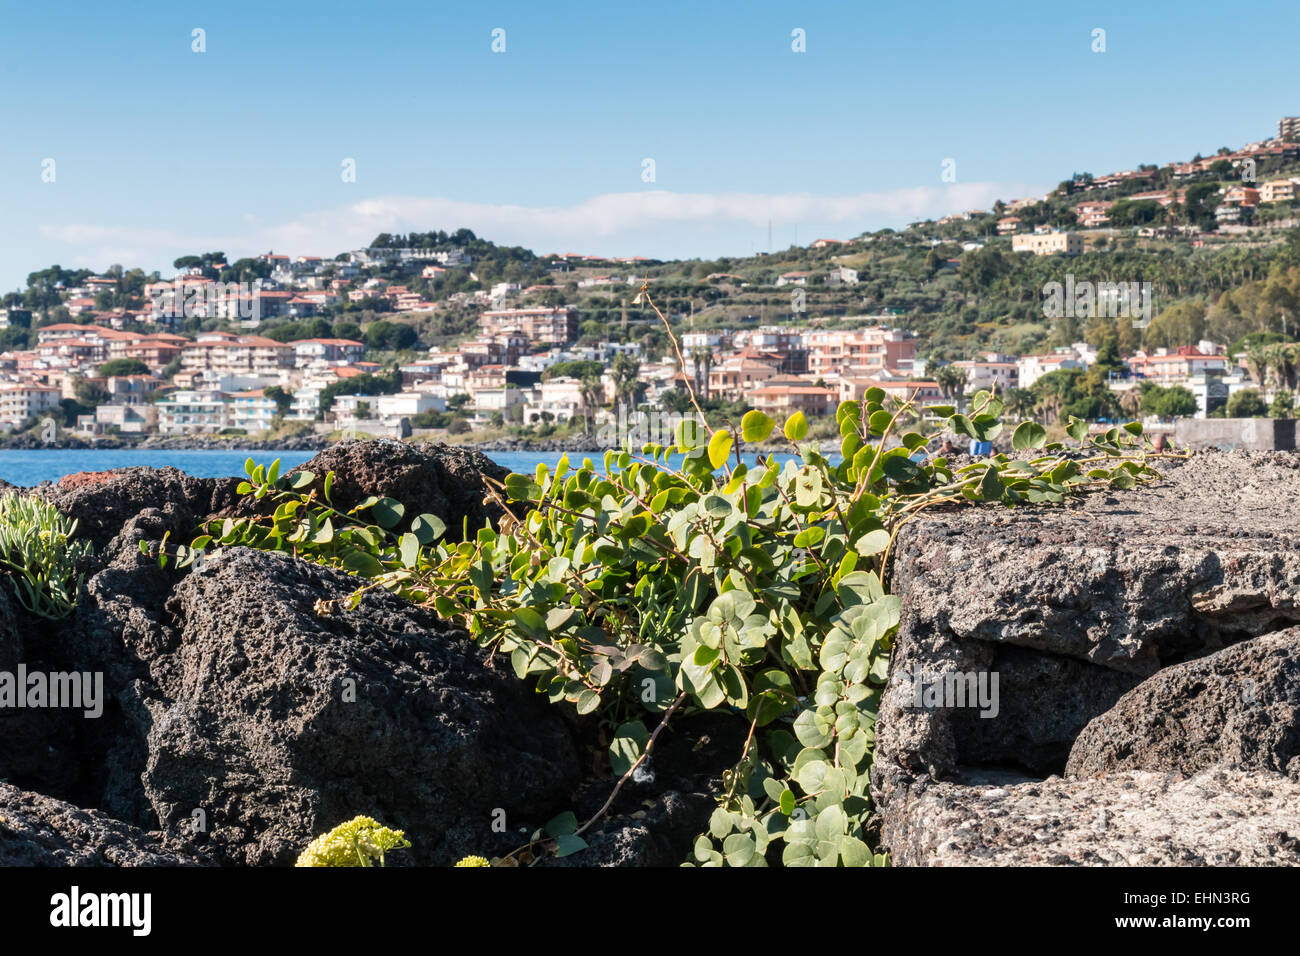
[160, 151]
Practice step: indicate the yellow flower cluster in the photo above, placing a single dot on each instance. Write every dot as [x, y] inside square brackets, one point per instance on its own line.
[474, 861]
[355, 843]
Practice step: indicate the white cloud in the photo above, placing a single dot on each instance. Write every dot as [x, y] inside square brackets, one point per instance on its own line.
[654, 223]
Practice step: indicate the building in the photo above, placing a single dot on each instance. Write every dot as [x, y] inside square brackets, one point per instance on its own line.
[1008, 226]
[865, 351]
[556, 325]
[223, 353]
[408, 403]
[1241, 196]
[327, 351]
[782, 401]
[1049, 244]
[558, 400]
[1288, 129]
[793, 278]
[23, 401]
[189, 412]
[127, 419]
[1226, 213]
[842, 275]
[1093, 214]
[1030, 368]
[997, 371]
[738, 375]
[252, 411]
[1184, 362]
[1278, 190]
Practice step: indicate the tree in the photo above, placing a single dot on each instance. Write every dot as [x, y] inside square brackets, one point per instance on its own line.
[347, 330]
[703, 359]
[1246, 403]
[1283, 404]
[952, 383]
[1172, 402]
[628, 387]
[283, 400]
[593, 396]
[1019, 402]
[119, 367]
[579, 369]
[392, 336]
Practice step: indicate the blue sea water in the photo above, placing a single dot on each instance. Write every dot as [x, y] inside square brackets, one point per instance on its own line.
[31, 467]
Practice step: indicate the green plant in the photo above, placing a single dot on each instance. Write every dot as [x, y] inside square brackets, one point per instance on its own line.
[310, 527]
[37, 547]
[360, 841]
[683, 579]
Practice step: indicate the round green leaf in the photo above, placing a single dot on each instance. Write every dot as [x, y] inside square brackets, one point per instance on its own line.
[756, 427]
[796, 427]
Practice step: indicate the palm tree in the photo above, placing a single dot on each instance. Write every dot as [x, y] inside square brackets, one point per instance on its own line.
[1258, 361]
[1130, 403]
[593, 396]
[952, 383]
[703, 359]
[1020, 403]
[624, 370]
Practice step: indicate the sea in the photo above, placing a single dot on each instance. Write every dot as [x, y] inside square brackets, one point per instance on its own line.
[27, 467]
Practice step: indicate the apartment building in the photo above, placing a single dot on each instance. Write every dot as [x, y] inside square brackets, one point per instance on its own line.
[734, 378]
[706, 340]
[22, 401]
[1241, 196]
[1049, 243]
[192, 412]
[407, 403]
[1182, 363]
[1030, 368]
[782, 401]
[224, 353]
[557, 325]
[252, 411]
[995, 371]
[785, 343]
[130, 389]
[1278, 190]
[859, 350]
[1093, 214]
[560, 398]
[326, 351]
[127, 419]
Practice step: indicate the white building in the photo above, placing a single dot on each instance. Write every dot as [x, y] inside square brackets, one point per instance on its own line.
[408, 403]
[22, 401]
[192, 412]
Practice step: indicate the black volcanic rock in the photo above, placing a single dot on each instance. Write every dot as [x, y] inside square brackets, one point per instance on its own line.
[289, 713]
[1240, 706]
[103, 501]
[427, 478]
[36, 830]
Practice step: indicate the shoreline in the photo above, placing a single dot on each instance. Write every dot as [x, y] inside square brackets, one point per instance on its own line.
[314, 443]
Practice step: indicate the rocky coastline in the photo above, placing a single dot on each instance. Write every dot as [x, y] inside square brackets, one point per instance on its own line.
[1147, 645]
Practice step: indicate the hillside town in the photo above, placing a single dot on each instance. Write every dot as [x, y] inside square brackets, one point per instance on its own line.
[448, 332]
[232, 382]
